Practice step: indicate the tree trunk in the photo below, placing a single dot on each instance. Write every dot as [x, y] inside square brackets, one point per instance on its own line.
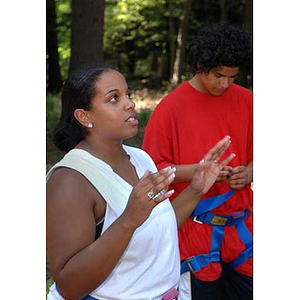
[223, 8]
[53, 70]
[172, 38]
[86, 33]
[181, 44]
[168, 59]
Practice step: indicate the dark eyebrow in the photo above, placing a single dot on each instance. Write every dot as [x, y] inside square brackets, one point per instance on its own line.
[220, 74]
[111, 91]
[115, 90]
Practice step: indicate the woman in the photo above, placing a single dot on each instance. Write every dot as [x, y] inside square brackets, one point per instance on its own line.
[101, 180]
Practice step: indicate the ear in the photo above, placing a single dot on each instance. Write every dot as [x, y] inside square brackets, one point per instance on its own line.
[83, 117]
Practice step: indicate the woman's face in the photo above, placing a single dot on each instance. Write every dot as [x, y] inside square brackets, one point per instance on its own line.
[112, 111]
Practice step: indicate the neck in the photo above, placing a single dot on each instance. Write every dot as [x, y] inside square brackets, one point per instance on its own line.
[112, 153]
[196, 84]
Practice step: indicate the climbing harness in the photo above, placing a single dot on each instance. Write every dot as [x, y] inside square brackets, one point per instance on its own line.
[202, 214]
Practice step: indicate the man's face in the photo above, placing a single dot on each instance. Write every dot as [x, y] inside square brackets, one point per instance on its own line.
[216, 81]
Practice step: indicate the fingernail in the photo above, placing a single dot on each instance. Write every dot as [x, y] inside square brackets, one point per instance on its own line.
[166, 169]
[172, 175]
[169, 193]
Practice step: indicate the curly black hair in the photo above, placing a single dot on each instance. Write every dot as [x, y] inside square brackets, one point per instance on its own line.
[220, 45]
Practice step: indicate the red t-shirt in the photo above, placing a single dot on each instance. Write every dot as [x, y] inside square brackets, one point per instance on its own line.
[182, 128]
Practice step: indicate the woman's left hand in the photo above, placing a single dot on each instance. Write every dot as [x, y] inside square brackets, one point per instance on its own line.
[209, 168]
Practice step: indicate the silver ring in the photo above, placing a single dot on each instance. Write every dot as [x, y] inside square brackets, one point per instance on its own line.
[157, 195]
[150, 194]
[215, 161]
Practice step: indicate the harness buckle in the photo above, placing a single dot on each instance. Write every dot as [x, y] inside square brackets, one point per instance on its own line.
[217, 220]
[190, 264]
[195, 220]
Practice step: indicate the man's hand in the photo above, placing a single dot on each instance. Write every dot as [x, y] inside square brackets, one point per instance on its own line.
[241, 176]
[225, 173]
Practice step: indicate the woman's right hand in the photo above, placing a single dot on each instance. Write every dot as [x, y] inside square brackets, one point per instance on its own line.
[146, 194]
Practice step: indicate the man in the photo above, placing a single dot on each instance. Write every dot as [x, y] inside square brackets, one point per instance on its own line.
[216, 242]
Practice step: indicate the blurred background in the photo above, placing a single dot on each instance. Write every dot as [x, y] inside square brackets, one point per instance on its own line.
[145, 39]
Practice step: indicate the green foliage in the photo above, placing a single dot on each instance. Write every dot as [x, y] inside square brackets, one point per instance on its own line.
[143, 116]
[136, 32]
[63, 21]
[49, 282]
[53, 108]
[133, 30]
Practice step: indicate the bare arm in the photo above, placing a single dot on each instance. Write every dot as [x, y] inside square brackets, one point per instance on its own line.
[78, 263]
[185, 173]
[206, 173]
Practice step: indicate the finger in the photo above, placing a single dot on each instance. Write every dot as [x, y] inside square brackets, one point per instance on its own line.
[222, 149]
[237, 185]
[237, 176]
[238, 169]
[160, 181]
[149, 177]
[164, 184]
[221, 178]
[146, 174]
[216, 152]
[227, 160]
[165, 170]
[163, 196]
[227, 168]
[223, 175]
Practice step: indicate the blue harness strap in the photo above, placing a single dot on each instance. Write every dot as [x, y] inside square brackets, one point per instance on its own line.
[247, 239]
[88, 297]
[211, 203]
[202, 215]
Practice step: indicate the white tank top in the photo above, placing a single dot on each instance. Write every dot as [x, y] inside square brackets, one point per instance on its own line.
[150, 266]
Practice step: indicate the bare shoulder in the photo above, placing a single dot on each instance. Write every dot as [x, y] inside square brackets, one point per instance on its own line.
[65, 176]
[66, 181]
[73, 206]
[69, 191]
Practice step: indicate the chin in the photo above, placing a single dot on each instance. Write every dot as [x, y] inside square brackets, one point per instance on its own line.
[131, 135]
[217, 93]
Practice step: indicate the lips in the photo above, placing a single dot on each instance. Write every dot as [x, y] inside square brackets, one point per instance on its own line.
[132, 120]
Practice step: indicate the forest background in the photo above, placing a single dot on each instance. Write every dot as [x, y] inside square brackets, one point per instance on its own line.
[145, 39]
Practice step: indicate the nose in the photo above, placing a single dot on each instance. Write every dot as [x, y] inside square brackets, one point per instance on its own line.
[130, 105]
[225, 82]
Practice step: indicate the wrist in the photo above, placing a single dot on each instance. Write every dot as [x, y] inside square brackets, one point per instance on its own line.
[249, 169]
[193, 194]
[127, 224]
